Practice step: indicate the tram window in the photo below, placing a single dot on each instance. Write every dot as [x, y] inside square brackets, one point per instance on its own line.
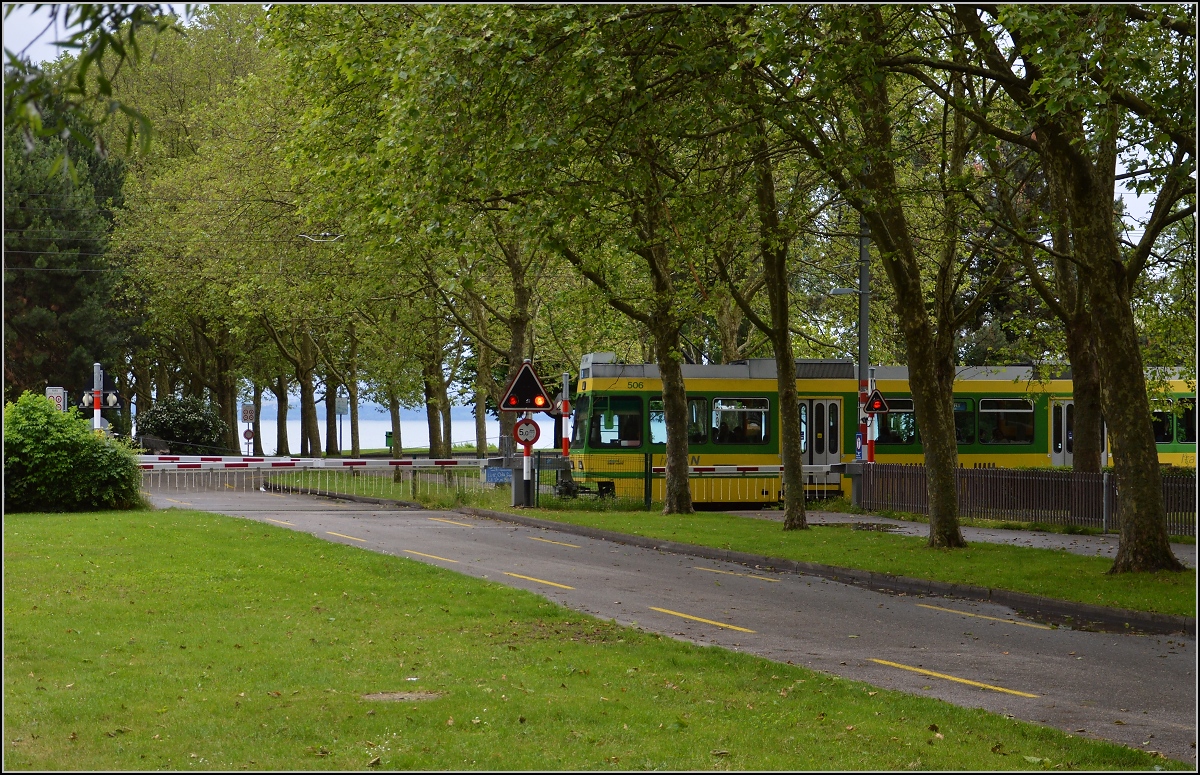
[697, 430]
[1164, 433]
[964, 421]
[658, 421]
[899, 424]
[740, 420]
[1185, 428]
[1056, 426]
[803, 427]
[697, 409]
[578, 430]
[1005, 421]
[819, 426]
[833, 429]
[616, 421]
[1071, 429]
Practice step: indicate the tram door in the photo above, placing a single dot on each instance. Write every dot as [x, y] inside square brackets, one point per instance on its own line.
[821, 438]
[1062, 435]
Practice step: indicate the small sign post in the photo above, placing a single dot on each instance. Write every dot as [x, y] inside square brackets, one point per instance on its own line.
[248, 418]
[59, 396]
[527, 432]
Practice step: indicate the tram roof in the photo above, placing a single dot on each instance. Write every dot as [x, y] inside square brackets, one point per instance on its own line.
[604, 364]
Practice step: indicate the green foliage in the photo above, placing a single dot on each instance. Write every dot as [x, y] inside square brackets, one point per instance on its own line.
[59, 316]
[54, 462]
[188, 425]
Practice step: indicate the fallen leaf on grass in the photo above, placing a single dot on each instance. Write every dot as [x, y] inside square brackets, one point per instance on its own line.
[719, 752]
[850, 728]
[1035, 759]
[872, 694]
[72, 736]
[273, 694]
[996, 749]
[374, 762]
[450, 721]
[939, 736]
[118, 731]
[933, 727]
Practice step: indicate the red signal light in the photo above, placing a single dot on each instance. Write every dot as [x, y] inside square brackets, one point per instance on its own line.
[539, 401]
[512, 400]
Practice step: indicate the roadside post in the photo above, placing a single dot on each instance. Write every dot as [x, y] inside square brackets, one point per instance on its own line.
[525, 393]
[97, 391]
[566, 416]
[248, 418]
[876, 405]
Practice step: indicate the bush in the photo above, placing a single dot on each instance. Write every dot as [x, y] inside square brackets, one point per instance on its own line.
[53, 461]
[187, 425]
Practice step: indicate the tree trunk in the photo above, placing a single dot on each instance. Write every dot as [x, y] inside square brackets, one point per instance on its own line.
[1087, 436]
[678, 498]
[483, 376]
[433, 418]
[280, 389]
[394, 414]
[773, 247]
[930, 357]
[447, 428]
[331, 417]
[1145, 545]
[352, 392]
[256, 426]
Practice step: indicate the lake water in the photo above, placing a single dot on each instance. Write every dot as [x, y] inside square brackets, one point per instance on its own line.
[413, 433]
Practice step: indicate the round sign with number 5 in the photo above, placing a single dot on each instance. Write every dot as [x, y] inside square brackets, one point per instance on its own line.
[526, 431]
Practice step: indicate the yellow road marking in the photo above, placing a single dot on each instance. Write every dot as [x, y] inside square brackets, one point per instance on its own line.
[548, 541]
[280, 521]
[339, 535]
[981, 616]
[922, 671]
[185, 503]
[274, 495]
[230, 486]
[698, 619]
[452, 522]
[731, 573]
[539, 581]
[431, 556]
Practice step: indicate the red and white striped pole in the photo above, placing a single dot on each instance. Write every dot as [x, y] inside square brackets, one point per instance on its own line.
[566, 415]
[97, 391]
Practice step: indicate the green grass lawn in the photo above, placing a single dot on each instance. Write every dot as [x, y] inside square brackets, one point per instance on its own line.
[184, 640]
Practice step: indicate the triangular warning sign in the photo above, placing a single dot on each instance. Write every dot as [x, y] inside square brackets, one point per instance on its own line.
[525, 393]
[876, 404]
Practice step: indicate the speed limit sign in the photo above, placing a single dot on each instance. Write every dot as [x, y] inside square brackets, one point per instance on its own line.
[526, 432]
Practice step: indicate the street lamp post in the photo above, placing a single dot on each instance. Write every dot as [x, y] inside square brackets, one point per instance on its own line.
[864, 309]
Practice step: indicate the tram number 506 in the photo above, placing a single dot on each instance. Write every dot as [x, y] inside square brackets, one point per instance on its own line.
[633, 385]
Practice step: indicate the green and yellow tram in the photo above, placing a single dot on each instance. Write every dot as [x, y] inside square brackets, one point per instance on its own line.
[1003, 417]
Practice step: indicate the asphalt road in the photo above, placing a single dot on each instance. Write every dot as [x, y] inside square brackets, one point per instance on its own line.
[1133, 689]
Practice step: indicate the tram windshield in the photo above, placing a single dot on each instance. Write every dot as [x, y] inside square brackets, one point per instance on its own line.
[579, 429]
[616, 421]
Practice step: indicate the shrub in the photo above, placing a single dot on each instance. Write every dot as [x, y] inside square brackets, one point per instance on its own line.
[188, 425]
[53, 461]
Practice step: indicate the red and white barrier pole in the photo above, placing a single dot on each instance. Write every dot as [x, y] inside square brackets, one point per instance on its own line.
[566, 416]
[97, 391]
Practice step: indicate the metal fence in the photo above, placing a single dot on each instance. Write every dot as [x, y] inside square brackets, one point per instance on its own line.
[385, 479]
[1050, 497]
